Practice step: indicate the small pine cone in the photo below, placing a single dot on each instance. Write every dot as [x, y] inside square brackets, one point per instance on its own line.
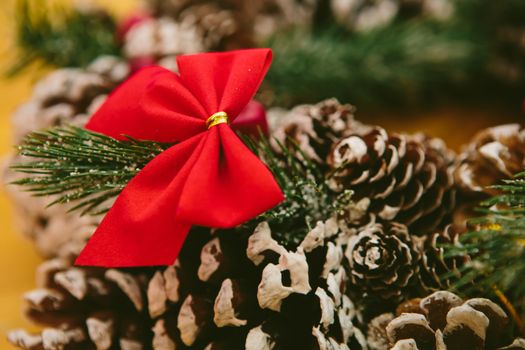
[405, 178]
[158, 38]
[363, 15]
[383, 262]
[225, 24]
[315, 128]
[493, 154]
[444, 321]
[255, 20]
[436, 270]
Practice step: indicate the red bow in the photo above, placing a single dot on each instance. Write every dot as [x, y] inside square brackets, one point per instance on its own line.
[209, 178]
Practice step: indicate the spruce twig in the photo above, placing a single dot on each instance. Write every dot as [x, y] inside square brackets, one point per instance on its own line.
[497, 246]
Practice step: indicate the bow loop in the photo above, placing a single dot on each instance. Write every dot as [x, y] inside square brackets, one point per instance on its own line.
[225, 81]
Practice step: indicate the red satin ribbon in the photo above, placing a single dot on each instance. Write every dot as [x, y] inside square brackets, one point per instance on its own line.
[209, 178]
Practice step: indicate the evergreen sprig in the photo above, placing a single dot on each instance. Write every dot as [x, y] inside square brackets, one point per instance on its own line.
[308, 197]
[64, 38]
[88, 170]
[497, 246]
[81, 166]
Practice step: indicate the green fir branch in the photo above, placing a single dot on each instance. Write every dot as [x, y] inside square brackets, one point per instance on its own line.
[81, 166]
[89, 170]
[497, 246]
[61, 38]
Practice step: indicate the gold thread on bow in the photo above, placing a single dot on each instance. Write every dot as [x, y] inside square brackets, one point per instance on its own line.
[216, 119]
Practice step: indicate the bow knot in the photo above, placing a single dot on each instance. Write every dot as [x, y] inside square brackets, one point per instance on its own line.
[207, 178]
[216, 119]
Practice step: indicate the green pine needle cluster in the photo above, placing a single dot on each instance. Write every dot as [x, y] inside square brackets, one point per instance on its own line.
[308, 197]
[64, 38]
[88, 170]
[497, 246]
[80, 166]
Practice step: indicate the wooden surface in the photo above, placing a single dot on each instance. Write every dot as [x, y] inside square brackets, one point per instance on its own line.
[17, 257]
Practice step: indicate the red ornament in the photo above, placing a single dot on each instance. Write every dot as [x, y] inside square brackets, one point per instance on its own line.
[129, 22]
[209, 178]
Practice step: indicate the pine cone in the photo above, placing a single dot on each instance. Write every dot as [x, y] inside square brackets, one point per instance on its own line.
[255, 20]
[437, 271]
[228, 290]
[405, 178]
[315, 128]
[383, 262]
[444, 321]
[493, 154]
[363, 15]
[221, 24]
[162, 38]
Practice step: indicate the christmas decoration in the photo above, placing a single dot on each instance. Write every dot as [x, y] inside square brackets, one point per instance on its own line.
[208, 162]
[383, 261]
[368, 14]
[443, 320]
[494, 154]
[254, 21]
[65, 97]
[315, 128]
[406, 178]
[237, 289]
[495, 244]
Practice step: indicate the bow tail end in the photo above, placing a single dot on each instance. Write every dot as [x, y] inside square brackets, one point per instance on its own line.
[120, 248]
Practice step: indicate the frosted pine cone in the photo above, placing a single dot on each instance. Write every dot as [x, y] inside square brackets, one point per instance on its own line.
[493, 154]
[363, 15]
[230, 289]
[436, 270]
[314, 128]
[444, 321]
[255, 20]
[162, 38]
[405, 178]
[383, 262]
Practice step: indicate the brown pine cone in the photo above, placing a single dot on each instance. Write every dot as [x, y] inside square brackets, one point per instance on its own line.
[493, 154]
[443, 320]
[437, 271]
[383, 262]
[228, 290]
[255, 20]
[363, 15]
[162, 39]
[314, 128]
[405, 178]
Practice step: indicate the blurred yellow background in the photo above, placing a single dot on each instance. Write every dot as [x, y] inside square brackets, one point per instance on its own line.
[17, 257]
